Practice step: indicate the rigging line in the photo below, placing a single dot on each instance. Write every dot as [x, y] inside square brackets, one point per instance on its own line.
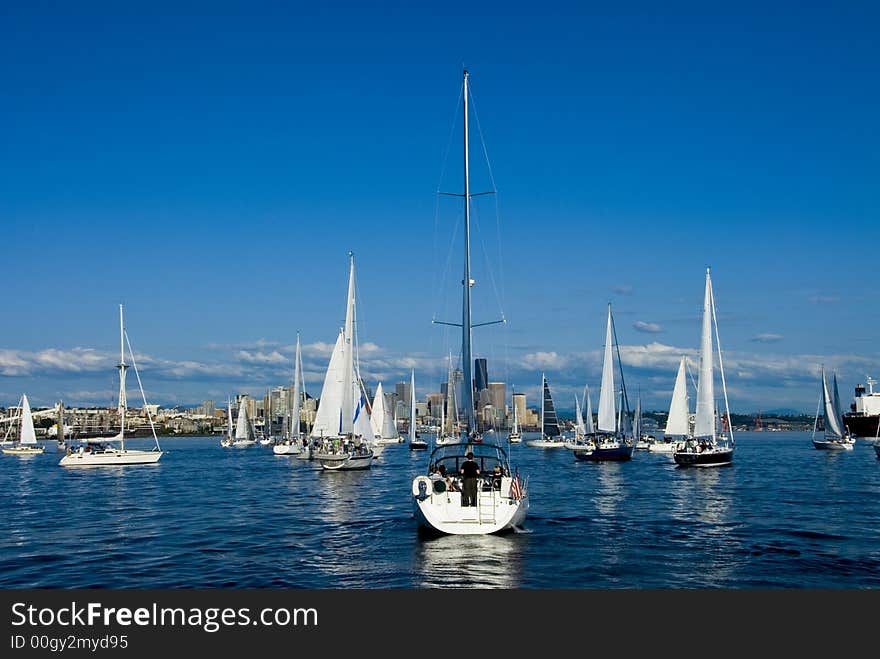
[494, 190]
[620, 365]
[443, 166]
[721, 363]
[141, 387]
[476, 215]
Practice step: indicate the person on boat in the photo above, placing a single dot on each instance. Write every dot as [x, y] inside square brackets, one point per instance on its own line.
[496, 477]
[470, 470]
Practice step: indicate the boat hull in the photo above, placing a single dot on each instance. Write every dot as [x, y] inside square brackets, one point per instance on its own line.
[22, 450]
[863, 425]
[545, 443]
[715, 458]
[830, 445]
[110, 458]
[661, 447]
[620, 453]
[344, 461]
[287, 449]
[441, 512]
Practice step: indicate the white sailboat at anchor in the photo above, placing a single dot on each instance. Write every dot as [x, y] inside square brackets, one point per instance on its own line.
[835, 436]
[96, 453]
[26, 443]
[292, 444]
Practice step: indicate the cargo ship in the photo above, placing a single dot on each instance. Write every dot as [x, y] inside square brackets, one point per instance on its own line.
[863, 419]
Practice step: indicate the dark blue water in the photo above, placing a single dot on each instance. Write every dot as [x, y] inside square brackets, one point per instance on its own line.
[784, 515]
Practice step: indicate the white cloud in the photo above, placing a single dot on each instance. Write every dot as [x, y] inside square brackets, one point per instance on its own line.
[649, 328]
[544, 360]
[767, 338]
[259, 357]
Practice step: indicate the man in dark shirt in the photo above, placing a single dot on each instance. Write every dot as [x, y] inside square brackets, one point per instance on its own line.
[470, 470]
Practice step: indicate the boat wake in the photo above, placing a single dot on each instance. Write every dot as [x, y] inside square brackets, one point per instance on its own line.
[521, 529]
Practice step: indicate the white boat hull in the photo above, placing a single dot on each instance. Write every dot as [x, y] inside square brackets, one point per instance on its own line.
[442, 512]
[661, 447]
[545, 443]
[827, 445]
[287, 449]
[344, 461]
[22, 450]
[110, 457]
[390, 440]
[243, 443]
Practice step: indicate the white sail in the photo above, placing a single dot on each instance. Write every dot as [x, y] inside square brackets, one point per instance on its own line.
[229, 431]
[412, 407]
[637, 420]
[832, 418]
[296, 402]
[389, 426]
[28, 434]
[377, 418]
[360, 422]
[607, 415]
[515, 420]
[677, 422]
[704, 425]
[242, 428]
[579, 419]
[589, 428]
[327, 417]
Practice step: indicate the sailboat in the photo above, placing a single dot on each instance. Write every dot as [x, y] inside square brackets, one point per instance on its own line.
[448, 431]
[613, 440]
[342, 424]
[502, 502]
[227, 441]
[415, 440]
[27, 436]
[835, 436]
[292, 443]
[584, 430]
[61, 445]
[678, 420]
[514, 436]
[705, 447]
[102, 452]
[382, 420]
[266, 436]
[551, 436]
[244, 430]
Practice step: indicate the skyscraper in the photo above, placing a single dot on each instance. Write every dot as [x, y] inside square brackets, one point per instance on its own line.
[481, 375]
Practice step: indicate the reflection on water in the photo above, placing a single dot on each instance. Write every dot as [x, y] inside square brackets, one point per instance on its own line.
[469, 561]
[702, 501]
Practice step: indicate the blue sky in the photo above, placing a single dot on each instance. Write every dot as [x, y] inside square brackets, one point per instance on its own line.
[210, 166]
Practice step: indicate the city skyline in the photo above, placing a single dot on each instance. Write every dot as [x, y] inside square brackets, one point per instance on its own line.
[215, 186]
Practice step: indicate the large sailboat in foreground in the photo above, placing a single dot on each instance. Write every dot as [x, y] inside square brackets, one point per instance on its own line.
[503, 499]
[27, 436]
[342, 430]
[102, 452]
[835, 436]
[705, 446]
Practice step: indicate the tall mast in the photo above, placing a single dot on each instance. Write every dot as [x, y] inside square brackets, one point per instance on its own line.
[467, 282]
[348, 347]
[123, 403]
